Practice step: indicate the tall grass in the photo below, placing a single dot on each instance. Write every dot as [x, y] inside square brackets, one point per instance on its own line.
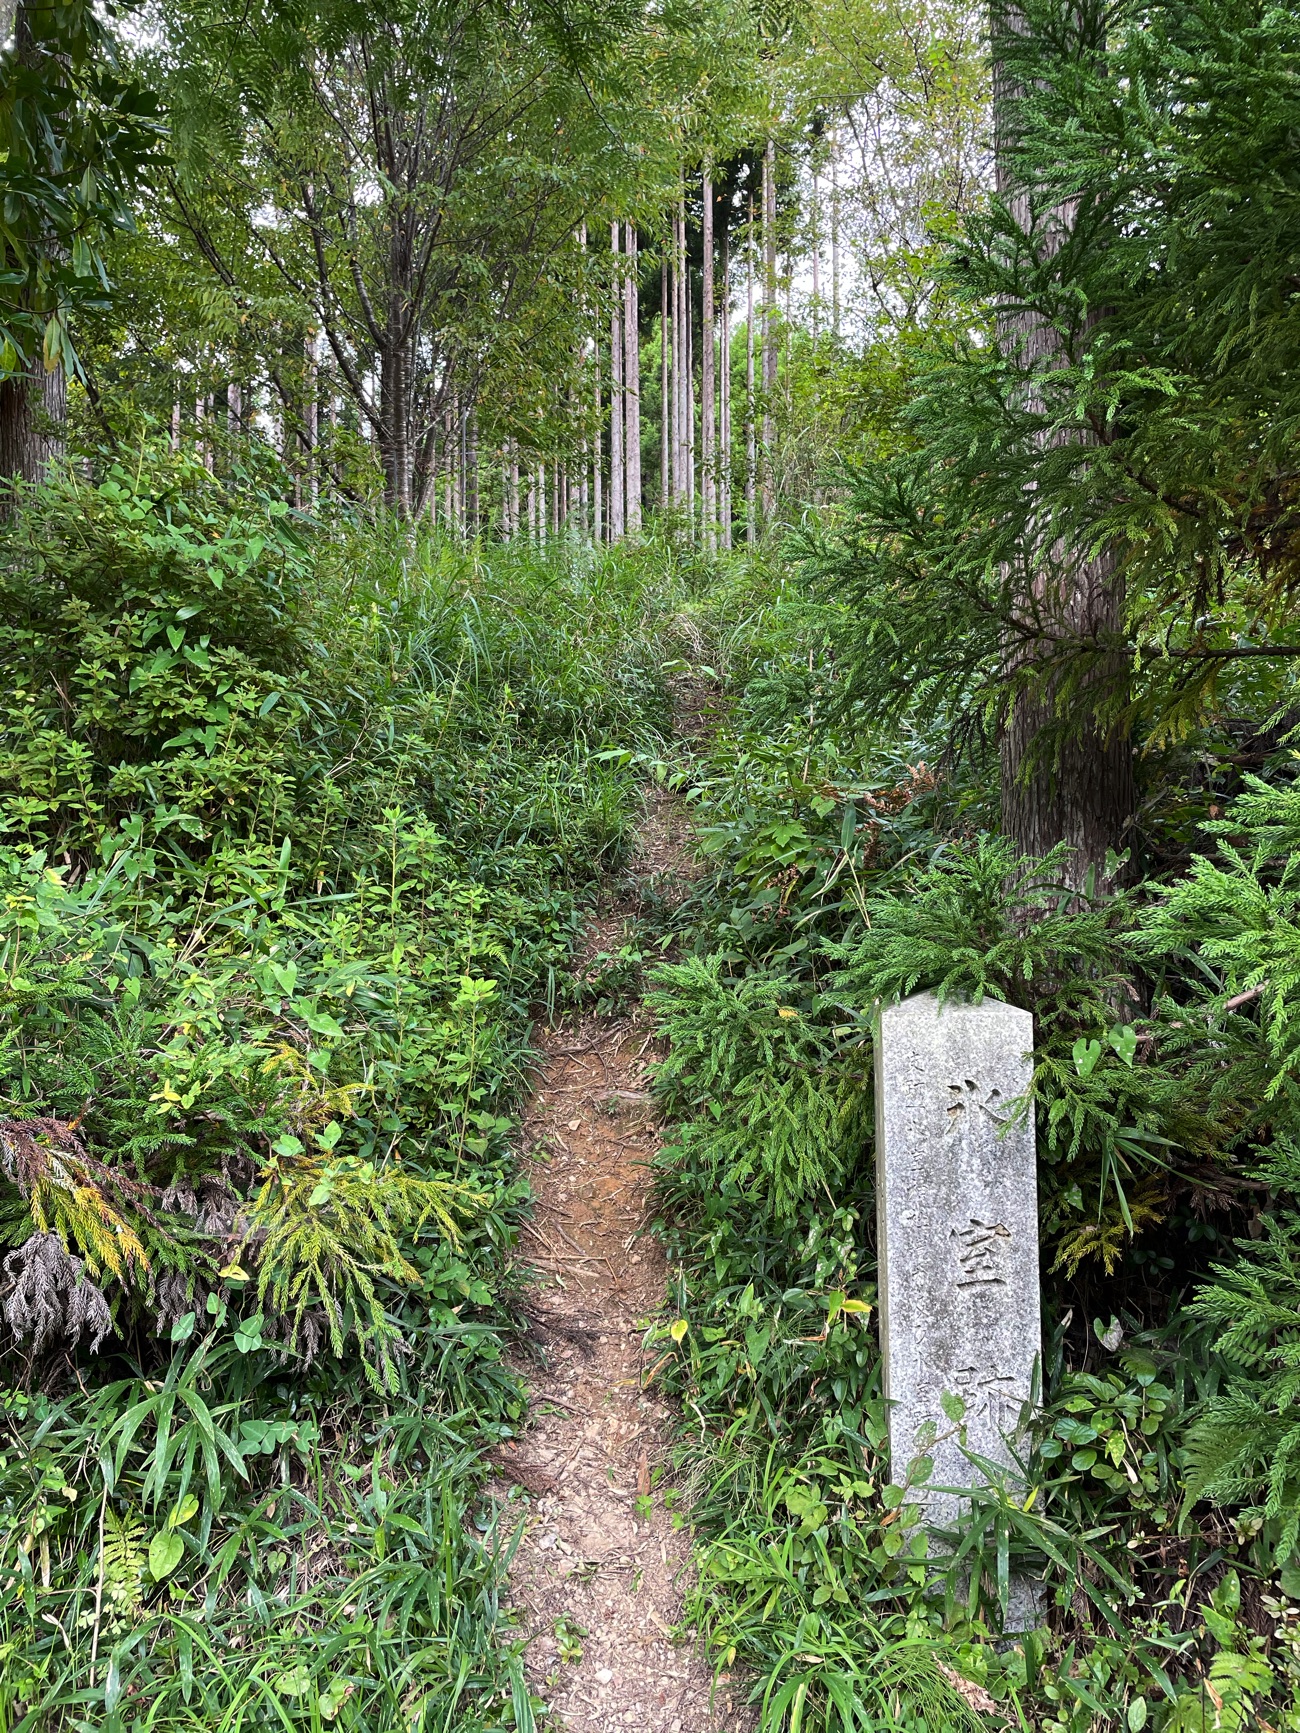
[323, 833]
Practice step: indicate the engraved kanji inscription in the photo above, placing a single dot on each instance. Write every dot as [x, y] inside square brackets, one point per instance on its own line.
[980, 1252]
[999, 1395]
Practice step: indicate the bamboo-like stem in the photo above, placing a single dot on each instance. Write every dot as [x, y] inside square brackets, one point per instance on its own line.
[665, 375]
[835, 246]
[690, 387]
[597, 460]
[768, 477]
[708, 382]
[679, 355]
[816, 257]
[751, 423]
[632, 383]
[724, 394]
[617, 475]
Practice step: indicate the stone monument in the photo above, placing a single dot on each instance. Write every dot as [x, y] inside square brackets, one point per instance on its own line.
[957, 1216]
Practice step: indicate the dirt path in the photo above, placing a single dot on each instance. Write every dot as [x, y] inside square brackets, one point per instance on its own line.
[598, 1575]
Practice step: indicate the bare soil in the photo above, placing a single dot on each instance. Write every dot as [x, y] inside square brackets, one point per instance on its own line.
[599, 1574]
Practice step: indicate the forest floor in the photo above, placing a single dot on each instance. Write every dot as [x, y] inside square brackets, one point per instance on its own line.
[599, 1574]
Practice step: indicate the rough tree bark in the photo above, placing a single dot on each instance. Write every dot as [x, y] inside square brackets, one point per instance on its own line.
[1063, 779]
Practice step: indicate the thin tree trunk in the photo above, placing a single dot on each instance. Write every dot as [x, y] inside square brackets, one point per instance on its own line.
[689, 371]
[471, 473]
[679, 355]
[769, 333]
[708, 386]
[617, 472]
[310, 415]
[665, 375]
[632, 384]
[835, 246]
[724, 393]
[751, 423]
[598, 525]
[816, 213]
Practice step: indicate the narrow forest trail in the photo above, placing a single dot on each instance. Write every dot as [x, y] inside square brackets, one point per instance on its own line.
[599, 1573]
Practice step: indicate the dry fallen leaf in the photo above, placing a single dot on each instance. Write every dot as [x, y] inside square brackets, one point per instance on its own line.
[974, 1694]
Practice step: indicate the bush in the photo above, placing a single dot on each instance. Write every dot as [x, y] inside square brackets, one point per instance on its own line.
[297, 818]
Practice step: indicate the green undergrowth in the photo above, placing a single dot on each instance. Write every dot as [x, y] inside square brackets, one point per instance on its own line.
[299, 819]
[1161, 1490]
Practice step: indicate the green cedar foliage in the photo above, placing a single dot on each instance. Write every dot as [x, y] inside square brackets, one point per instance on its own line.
[1163, 429]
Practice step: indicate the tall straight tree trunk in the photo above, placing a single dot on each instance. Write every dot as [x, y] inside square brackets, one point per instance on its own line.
[395, 452]
[678, 486]
[708, 338]
[665, 374]
[680, 482]
[817, 257]
[689, 372]
[617, 473]
[769, 333]
[724, 393]
[597, 462]
[835, 244]
[631, 387]
[472, 524]
[1063, 779]
[751, 421]
[310, 414]
[632, 383]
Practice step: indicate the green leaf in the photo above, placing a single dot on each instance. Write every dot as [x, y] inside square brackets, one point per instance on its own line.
[286, 974]
[1086, 1054]
[1137, 1715]
[954, 1406]
[183, 1327]
[182, 1512]
[166, 1550]
[294, 1682]
[1123, 1038]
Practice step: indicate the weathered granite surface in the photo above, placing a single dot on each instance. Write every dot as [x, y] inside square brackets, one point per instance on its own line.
[957, 1216]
